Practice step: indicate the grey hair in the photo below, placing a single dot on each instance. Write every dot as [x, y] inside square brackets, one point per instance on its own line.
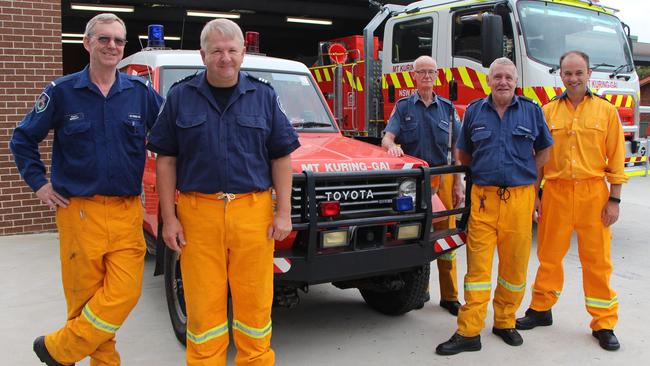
[502, 61]
[423, 57]
[224, 28]
[102, 18]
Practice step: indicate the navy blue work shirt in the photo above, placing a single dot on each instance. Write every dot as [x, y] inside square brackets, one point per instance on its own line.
[502, 149]
[423, 131]
[223, 150]
[99, 142]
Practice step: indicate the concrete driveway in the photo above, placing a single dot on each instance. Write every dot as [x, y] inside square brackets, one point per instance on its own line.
[335, 327]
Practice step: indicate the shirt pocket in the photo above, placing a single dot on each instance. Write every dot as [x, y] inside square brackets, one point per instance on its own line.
[441, 134]
[557, 127]
[193, 132]
[408, 133]
[523, 138]
[251, 133]
[77, 139]
[133, 135]
[593, 137]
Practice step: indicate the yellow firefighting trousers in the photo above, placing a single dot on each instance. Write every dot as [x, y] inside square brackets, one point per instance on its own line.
[501, 219]
[568, 206]
[227, 247]
[102, 262]
[447, 262]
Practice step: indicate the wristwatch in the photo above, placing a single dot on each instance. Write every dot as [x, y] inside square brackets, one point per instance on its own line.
[614, 199]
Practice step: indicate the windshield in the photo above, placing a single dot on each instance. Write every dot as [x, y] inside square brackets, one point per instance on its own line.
[299, 98]
[552, 29]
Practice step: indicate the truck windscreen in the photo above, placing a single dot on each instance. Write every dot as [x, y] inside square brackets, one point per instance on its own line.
[550, 29]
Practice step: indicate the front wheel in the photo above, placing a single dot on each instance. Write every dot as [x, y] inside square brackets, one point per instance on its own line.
[175, 294]
[411, 295]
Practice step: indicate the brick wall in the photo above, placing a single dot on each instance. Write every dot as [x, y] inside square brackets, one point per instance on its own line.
[30, 57]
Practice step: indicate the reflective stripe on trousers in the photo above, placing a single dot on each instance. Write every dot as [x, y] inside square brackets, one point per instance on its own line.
[102, 262]
[576, 205]
[506, 226]
[227, 248]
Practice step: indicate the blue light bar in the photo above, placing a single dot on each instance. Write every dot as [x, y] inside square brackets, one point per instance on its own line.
[404, 203]
[156, 35]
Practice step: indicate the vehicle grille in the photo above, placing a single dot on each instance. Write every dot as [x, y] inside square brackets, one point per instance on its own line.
[358, 198]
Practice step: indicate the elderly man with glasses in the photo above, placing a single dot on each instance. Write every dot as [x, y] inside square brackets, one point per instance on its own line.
[99, 118]
[422, 124]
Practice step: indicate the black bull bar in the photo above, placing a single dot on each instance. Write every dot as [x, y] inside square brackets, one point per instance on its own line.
[310, 266]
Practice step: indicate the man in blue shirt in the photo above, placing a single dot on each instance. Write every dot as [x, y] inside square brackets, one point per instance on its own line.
[223, 141]
[99, 117]
[505, 140]
[421, 124]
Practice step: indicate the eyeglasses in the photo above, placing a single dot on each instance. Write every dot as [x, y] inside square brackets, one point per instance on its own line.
[104, 40]
[426, 72]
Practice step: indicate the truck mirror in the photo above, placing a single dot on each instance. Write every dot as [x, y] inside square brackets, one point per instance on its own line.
[491, 38]
[391, 93]
[453, 90]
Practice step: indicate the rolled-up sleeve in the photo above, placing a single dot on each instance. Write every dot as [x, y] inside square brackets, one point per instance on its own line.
[283, 139]
[463, 142]
[162, 138]
[544, 138]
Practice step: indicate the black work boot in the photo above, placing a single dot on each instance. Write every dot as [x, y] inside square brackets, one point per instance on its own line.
[451, 306]
[509, 335]
[43, 354]
[457, 344]
[534, 318]
[606, 339]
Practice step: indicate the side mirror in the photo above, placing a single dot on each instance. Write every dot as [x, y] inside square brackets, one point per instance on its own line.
[491, 38]
[453, 90]
[630, 41]
[391, 93]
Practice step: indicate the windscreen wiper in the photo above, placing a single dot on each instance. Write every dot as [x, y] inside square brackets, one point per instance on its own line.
[602, 64]
[308, 124]
[618, 70]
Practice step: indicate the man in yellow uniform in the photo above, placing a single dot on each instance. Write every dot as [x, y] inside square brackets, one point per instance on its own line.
[589, 148]
[99, 117]
[223, 141]
[505, 141]
[422, 124]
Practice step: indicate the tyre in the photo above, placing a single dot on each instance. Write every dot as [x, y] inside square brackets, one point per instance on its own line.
[412, 295]
[175, 294]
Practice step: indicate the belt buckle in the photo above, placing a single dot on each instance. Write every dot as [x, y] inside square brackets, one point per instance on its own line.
[227, 197]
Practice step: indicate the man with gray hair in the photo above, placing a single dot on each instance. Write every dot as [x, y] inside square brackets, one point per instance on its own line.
[505, 141]
[99, 117]
[223, 142]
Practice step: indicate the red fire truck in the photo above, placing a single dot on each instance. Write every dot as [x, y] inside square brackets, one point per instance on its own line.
[361, 218]
[465, 36]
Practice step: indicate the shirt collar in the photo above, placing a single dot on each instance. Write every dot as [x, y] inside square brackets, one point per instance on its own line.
[565, 95]
[200, 82]
[416, 97]
[514, 102]
[120, 83]
[243, 83]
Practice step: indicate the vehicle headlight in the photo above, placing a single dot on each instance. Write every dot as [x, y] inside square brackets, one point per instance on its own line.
[408, 188]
